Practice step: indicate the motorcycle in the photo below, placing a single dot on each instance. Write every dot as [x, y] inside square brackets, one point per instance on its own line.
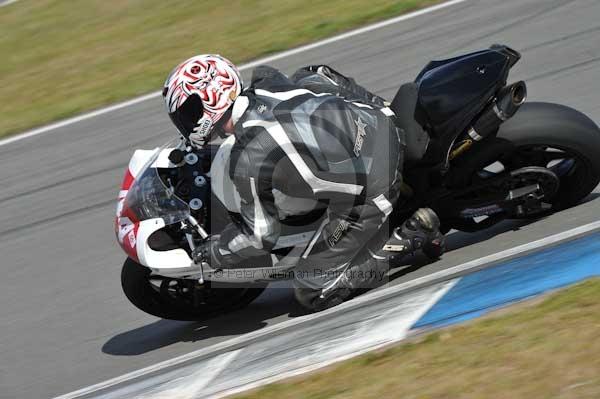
[476, 153]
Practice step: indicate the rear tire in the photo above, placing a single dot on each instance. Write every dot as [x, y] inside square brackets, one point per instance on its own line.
[146, 297]
[540, 127]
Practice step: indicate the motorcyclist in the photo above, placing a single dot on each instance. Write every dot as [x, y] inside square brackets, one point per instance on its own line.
[319, 136]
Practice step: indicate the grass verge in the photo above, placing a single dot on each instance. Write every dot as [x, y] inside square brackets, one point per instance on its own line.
[62, 57]
[548, 348]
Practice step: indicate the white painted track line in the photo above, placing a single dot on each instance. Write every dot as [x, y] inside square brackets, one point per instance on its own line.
[71, 121]
[191, 386]
[278, 56]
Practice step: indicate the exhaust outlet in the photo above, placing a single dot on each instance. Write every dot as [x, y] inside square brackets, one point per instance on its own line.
[506, 104]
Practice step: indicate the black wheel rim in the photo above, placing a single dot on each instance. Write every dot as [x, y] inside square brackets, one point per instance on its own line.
[180, 293]
[574, 171]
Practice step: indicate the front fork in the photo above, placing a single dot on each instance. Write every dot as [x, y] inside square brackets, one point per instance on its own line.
[193, 228]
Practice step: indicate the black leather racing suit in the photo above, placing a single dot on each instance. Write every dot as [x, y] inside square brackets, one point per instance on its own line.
[317, 136]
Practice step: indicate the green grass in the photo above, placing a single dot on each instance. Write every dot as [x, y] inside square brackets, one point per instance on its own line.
[61, 57]
[548, 348]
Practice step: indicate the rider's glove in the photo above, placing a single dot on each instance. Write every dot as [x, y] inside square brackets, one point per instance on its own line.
[207, 251]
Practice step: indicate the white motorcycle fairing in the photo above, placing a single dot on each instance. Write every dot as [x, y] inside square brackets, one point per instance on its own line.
[133, 237]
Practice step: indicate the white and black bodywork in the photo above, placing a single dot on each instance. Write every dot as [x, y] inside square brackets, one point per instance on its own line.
[153, 205]
[474, 152]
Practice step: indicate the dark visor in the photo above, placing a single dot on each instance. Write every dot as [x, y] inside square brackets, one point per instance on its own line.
[186, 117]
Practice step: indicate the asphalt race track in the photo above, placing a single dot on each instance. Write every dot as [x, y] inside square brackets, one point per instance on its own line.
[65, 323]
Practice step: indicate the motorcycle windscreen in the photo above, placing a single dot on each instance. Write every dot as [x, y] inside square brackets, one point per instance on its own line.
[150, 198]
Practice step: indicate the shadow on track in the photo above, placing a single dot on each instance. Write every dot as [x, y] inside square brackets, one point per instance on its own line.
[277, 302]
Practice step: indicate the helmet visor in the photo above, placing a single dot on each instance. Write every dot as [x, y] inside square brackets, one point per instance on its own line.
[187, 115]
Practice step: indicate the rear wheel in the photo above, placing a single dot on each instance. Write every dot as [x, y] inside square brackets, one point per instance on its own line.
[179, 299]
[560, 139]
[575, 171]
[541, 136]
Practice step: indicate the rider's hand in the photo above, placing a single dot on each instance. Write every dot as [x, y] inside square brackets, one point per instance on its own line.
[206, 251]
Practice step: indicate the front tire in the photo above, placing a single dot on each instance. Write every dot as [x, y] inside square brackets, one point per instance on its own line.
[161, 301]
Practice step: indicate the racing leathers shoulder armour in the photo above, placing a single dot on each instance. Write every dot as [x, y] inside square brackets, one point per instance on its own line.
[318, 137]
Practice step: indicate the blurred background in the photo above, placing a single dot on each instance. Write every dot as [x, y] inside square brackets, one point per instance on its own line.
[60, 58]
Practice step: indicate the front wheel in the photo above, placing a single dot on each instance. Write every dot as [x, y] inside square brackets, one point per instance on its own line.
[558, 138]
[179, 299]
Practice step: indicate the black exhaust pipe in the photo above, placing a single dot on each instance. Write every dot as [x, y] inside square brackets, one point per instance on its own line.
[506, 104]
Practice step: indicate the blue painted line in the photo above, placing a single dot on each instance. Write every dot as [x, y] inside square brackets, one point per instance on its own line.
[530, 275]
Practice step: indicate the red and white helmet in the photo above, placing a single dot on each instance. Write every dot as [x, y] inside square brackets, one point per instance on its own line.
[198, 92]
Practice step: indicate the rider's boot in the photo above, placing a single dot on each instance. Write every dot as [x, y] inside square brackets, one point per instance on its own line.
[419, 232]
